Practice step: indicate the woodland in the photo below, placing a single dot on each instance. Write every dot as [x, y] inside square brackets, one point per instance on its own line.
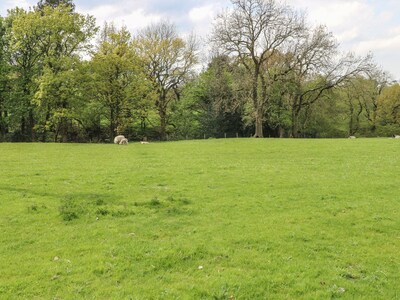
[263, 71]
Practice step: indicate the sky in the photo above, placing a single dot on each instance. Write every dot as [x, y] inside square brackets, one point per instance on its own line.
[360, 26]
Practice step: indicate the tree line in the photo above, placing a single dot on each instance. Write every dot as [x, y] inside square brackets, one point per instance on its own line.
[270, 74]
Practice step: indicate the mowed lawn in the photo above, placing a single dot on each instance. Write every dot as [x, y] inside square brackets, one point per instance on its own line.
[208, 219]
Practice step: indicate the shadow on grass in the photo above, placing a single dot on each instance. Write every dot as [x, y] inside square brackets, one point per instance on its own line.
[95, 198]
[76, 204]
[26, 192]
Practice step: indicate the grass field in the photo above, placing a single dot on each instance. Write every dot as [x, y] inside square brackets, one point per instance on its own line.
[211, 219]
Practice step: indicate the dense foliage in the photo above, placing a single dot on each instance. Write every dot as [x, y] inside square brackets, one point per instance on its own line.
[63, 79]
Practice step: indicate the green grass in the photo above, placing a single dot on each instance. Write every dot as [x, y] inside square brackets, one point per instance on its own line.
[212, 219]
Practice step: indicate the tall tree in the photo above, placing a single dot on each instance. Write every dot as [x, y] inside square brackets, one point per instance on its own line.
[254, 31]
[389, 107]
[355, 93]
[211, 101]
[23, 33]
[169, 60]
[117, 78]
[64, 37]
[378, 80]
[4, 82]
[361, 97]
[44, 49]
[315, 66]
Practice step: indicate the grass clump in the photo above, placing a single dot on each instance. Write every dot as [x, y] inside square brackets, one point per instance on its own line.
[154, 202]
[70, 210]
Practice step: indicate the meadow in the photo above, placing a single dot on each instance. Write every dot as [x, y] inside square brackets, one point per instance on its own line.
[208, 219]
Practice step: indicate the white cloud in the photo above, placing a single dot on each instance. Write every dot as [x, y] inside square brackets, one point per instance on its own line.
[347, 19]
[201, 18]
[132, 19]
[337, 14]
[9, 4]
[360, 26]
[104, 12]
[380, 44]
[198, 14]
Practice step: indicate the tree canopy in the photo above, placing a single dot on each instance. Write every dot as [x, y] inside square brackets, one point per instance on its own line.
[270, 74]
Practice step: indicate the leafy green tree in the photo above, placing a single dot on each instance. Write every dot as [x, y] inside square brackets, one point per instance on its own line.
[223, 102]
[64, 37]
[118, 80]
[378, 80]
[4, 82]
[326, 118]
[44, 50]
[141, 98]
[211, 101]
[23, 34]
[60, 101]
[360, 96]
[389, 108]
[169, 61]
[314, 68]
[277, 117]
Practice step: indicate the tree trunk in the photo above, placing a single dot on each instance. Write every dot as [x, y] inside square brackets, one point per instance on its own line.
[259, 125]
[3, 123]
[351, 112]
[31, 125]
[295, 122]
[112, 128]
[163, 124]
[257, 109]
[294, 128]
[162, 112]
[47, 118]
[374, 115]
[281, 131]
[22, 127]
[351, 126]
[64, 129]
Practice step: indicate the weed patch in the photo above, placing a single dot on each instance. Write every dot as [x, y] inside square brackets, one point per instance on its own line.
[70, 209]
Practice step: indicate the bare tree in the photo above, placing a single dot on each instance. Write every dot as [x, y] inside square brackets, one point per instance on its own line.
[254, 31]
[169, 61]
[315, 66]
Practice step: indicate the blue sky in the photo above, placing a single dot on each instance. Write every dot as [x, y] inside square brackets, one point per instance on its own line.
[359, 25]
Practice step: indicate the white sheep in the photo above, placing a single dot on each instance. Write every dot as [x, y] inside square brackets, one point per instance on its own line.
[144, 142]
[118, 139]
[352, 137]
[397, 136]
[124, 141]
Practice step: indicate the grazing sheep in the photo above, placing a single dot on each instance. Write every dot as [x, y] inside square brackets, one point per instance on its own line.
[397, 136]
[144, 142]
[118, 139]
[352, 137]
[124, 141]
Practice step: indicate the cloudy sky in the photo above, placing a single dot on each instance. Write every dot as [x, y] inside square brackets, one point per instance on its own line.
[360, 26]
